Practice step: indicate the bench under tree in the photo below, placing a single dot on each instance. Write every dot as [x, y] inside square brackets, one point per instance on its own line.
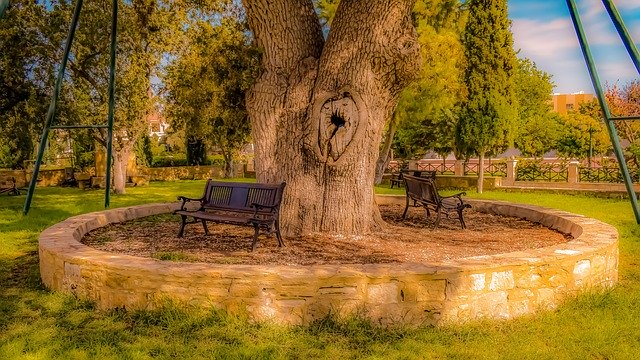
[423, 192]
[249, 204]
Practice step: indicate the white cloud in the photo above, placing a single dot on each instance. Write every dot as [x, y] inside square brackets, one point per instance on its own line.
[627, 4]
[543, 39]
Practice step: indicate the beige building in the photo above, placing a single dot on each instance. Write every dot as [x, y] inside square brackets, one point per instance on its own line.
[564, 103]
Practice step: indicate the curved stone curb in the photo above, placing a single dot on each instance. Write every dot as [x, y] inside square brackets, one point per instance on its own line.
[496, 286]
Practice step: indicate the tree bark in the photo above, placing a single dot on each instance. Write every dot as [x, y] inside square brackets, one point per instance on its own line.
[120, 162]
[383, 157]
[228, 164]
[318, 110]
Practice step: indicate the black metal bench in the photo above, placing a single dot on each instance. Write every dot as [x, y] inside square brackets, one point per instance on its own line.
[423, 192]
[251, 204]
[8, 185]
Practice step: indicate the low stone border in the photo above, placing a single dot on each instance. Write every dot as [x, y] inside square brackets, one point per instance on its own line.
[496, 286]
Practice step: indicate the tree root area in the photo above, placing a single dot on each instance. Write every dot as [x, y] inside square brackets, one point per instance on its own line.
[409, 240]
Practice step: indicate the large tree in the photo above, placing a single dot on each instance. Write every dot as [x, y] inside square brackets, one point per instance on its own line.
[488, 113]
[319, 108]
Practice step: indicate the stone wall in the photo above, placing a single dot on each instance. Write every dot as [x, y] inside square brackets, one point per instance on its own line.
[498, 286]
[53, 177]
[188, 172]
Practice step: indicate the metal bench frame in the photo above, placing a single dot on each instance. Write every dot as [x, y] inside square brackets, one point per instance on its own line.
[250, 204]
[423, 192]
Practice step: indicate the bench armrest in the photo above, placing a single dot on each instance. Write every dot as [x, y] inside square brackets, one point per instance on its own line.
[185, 200]
[457, 196]
[258, 207]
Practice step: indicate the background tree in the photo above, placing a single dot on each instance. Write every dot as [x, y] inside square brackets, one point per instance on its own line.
[146, 32]
[207, 83]
[424, 115]
[625, 101]
[488, 114]
[24, 81]
[538, 126]
[574, 139]
[318, 109]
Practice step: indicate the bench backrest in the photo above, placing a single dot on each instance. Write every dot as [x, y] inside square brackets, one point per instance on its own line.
[420, 188]
[428, 174]
[239, 196]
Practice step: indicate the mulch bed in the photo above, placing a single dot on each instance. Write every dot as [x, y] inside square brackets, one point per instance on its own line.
[410, 240]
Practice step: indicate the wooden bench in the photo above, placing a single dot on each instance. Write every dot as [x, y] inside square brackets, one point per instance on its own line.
[8, 185]
[251, 204]
[423, 192]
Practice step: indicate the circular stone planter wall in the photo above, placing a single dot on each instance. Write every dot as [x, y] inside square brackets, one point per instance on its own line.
[497, 286]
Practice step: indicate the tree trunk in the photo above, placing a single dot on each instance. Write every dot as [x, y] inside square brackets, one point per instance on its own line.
[481, 172]
[385, 151]
[228, 164]
[318, 110]
[120, 161]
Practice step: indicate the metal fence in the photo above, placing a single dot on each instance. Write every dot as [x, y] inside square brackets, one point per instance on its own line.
[539, 171]
[490, 169]
[606, 174]
[439, 168]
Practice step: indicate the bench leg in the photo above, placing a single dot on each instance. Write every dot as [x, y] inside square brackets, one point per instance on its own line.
[278, 236]
[255, 237]
[426, 207]
[204, 225]
[404, 214]
[184, 222]
[435, 226]
[462, 224]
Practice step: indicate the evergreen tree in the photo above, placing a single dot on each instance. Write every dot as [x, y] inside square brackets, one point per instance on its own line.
[488, 114]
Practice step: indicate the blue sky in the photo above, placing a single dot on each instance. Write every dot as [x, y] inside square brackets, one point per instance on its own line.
[544, 33]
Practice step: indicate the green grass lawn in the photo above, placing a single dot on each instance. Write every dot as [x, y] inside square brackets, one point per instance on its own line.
[38, 324]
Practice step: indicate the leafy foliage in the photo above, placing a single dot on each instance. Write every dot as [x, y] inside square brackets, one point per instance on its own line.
[625, 101]
[207, 83]
[538, 126]
[24, 67]
[579, 133]
[426, 110]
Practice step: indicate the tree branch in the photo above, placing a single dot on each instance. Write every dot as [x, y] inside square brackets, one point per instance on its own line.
[288, 31]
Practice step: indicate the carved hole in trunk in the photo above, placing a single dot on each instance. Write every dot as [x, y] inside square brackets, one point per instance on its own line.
[337, 119]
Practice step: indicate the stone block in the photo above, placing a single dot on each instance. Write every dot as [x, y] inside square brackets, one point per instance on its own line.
[581, 271]
[502, 281]
[386, 293]
[431, 290]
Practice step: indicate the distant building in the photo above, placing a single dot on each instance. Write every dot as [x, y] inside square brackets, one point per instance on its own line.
[157, 124]
[564, 103]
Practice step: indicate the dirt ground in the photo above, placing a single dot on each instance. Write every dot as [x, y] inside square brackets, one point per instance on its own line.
[411, 240]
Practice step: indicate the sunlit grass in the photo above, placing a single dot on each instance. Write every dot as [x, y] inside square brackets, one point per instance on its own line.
[38, 324]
